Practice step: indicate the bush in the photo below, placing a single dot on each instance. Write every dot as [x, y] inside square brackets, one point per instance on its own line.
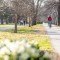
[39, 22]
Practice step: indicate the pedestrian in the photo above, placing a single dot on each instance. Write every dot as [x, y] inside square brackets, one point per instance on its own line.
[24, 22]
[21, 22]
[50, 21]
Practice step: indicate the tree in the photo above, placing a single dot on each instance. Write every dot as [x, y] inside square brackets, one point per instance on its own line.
[4, 13]
[49, 8]
[21, 9]
[15, 23]
[59, 13]
[26, 8]
[1, 10]
[35, 12]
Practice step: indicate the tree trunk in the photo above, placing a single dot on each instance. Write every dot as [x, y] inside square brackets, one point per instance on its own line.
[34, 21]
[59, 13]
[35, 14]
[7, 21]
[15, 23]
[29, 22]
[10, 19]
[1, 20]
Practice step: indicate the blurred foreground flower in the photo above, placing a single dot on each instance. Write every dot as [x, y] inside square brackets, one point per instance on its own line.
[20, 50]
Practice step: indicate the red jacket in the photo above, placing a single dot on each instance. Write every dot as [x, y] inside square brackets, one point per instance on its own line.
[49, 18]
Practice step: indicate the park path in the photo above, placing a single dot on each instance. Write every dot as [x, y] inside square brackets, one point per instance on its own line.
[54, 34]
[4, 28]
[7, 27]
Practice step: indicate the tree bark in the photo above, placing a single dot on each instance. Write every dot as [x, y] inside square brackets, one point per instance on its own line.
[59, 13]
[15, 23]
[29, 22]
[1, 20]
[7, 21]
[34, 21]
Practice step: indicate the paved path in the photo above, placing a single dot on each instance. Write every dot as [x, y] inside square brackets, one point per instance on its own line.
[54, 34]
[7, 27]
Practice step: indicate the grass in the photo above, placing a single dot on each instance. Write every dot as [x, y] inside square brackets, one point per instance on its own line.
[35, 34]
[25, 29]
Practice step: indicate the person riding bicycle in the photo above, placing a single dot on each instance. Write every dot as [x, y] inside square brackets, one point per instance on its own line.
[50, 21]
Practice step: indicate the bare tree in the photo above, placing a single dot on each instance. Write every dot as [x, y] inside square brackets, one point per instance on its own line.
[59, 13]
[35, 11]
[27, 8]
[1, 10]
[21, 8]
[49, 8]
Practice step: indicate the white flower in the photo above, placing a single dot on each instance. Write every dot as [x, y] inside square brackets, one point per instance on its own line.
[4, 51]
[21, 49]
[46, 54]
[13, 47]
[16, 47]
[27, 45]
[33, 52]
[6, 41]
[24, 56]
[17, 42]
[1, 44]
[6, 57]
[23, 42]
